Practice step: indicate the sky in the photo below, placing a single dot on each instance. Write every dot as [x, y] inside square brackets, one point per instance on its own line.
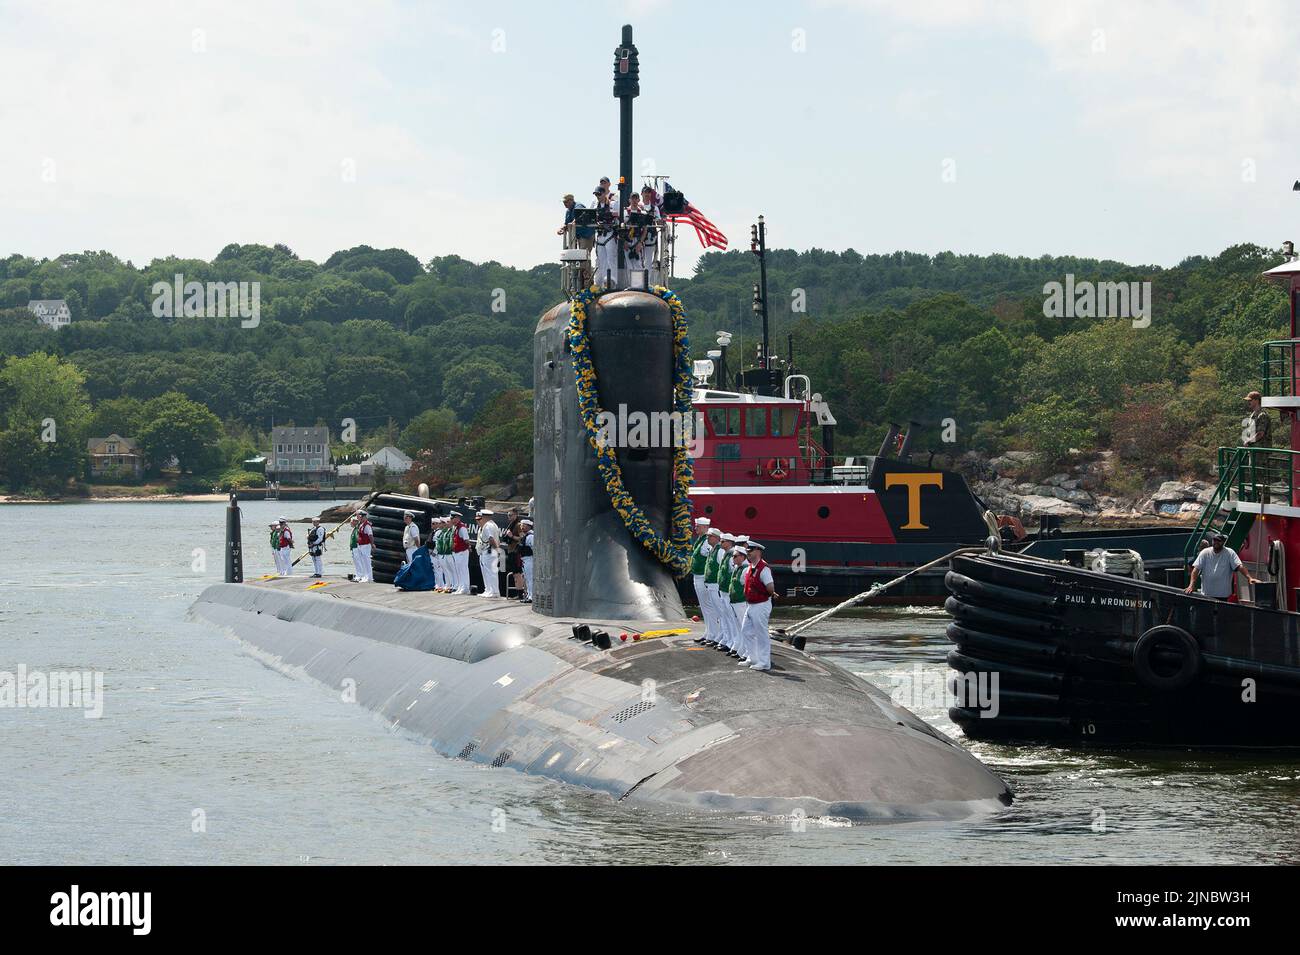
[1140, 131]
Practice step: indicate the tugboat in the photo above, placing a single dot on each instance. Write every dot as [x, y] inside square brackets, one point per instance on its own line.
[765, 468]
[1053, 652]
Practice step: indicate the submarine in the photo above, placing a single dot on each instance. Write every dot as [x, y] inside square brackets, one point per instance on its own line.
[599, 683]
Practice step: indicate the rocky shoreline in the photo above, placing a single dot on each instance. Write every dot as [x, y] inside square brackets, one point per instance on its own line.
[1079, 494]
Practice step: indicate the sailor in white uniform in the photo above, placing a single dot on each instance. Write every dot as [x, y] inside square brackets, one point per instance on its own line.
[489, 553]
[355, 521]
[316, 547]
[712, 624]
[410, 535]
[759, 591]
[607, 275]
[365, 547]
[728, 635]
[437, 527]
[700, 551]
[526, 557]
[739, 561]
[284, 556]
[460, 552]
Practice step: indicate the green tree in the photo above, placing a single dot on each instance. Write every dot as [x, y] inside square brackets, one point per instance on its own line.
[470, 385]
[44, 409]
[184, 429]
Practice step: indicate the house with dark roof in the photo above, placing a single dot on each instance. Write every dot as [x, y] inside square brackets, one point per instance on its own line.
[300, 456]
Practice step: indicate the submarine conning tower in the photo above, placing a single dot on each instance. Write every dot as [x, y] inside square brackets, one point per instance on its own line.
[586, 562]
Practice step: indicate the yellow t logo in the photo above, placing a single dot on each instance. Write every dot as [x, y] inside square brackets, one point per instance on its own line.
[914, 483]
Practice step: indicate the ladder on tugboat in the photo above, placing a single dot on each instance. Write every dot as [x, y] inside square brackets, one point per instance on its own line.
[1236, 473]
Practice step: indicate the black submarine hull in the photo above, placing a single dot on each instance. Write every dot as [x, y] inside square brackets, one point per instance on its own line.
[660, 722]
[1090, 659]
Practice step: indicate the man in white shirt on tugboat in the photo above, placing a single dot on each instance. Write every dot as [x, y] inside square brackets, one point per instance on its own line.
[1214, 568]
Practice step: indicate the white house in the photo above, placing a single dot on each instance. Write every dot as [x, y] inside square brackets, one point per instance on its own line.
[390, 459]
[51, 312]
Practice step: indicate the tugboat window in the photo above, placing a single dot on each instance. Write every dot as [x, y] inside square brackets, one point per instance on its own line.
[784, 421]
[756, 423]
[726, 452]
[751, 512]
[823, 511]
[724, 421]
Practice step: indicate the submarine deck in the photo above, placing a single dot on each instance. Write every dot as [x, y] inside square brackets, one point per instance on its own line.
[663, 720]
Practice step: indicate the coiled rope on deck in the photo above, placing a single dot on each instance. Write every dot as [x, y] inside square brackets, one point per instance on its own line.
[673, 552]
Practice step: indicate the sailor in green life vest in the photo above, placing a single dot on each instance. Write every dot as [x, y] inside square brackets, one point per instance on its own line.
[700, 552]
[721, 601]
[352, 545]
[442, 546]
[435, 555]
[711, 594]
[275, 545]
[736, 589]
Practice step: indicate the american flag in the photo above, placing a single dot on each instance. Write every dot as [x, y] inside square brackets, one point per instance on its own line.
[708, 234]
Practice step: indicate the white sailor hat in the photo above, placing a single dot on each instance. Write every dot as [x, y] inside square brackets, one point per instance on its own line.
[284, 520]
[526, 521]
[729, 537]
[755, 545]
[408, 513]
[742, 538]
[715, 530]
[702, 522]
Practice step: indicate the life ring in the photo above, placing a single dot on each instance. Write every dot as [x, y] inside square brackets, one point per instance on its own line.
[776, 470]
[1166, 638]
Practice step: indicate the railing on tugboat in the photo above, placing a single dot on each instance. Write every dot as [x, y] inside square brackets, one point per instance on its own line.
[788, 470]
[1251, 475]
[1279, 369]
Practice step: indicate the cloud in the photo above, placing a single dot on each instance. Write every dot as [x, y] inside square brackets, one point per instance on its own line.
[1182, 91]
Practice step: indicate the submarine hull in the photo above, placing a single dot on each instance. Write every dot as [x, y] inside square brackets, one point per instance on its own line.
[663, 721]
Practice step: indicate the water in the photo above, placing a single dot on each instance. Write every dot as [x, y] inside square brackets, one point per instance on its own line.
[204, 755]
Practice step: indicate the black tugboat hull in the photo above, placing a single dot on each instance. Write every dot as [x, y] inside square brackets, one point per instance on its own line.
[1059, 654]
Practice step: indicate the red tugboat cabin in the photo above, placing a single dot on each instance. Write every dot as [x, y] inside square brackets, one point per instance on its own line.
[760, 470]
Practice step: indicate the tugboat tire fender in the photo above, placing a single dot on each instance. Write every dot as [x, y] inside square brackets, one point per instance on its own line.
[988, 594]
[1166, 637]
[999, 646]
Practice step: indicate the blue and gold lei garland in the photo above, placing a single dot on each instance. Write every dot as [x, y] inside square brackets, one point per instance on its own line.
[673, 552]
